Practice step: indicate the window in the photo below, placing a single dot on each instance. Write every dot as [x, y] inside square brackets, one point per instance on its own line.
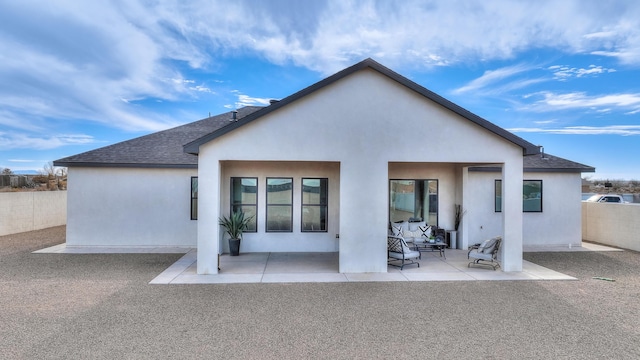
[415, 200]
[194, 198]
[531, 195]
[498, 197]
[244, 197]
[280, 204]
[314, 205]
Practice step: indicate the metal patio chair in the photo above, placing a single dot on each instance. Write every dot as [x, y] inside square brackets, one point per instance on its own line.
[485, 253]
[399, 251]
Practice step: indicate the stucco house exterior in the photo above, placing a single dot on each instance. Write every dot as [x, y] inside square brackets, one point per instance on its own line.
[325, 170]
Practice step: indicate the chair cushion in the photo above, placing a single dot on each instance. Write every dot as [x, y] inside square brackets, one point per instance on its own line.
[479, 255]
[488, 245]
[405, 247]
[411, 234]
[427, 230]
[411, 255]
[396, 229]
[414, 226]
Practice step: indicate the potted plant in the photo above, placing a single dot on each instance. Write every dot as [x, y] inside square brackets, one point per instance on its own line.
[453, 235]
[234, 225]
[459, 214]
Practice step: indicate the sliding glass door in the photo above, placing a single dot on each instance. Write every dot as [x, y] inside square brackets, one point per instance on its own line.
[413, 200]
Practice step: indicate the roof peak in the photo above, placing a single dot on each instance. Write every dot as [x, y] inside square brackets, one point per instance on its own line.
[527, 148]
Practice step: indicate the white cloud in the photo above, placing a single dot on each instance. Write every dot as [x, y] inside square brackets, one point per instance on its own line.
[579, 100]
[200, 88]
[246, 100]
[95, 61]
[492, 77]
[564, 72]
[22, 160]
[24, 141]
[542, 122]
[624, 130]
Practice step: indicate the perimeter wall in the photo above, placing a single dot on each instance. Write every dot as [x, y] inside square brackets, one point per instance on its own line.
[612, 224]
[32, 210]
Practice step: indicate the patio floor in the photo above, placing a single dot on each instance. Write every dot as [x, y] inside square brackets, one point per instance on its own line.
[323, 267]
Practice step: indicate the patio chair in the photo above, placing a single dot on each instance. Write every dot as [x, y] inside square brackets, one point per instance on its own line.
[485, 253]
[399, 252]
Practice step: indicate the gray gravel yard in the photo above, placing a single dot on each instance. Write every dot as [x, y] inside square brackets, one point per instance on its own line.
[97, 306]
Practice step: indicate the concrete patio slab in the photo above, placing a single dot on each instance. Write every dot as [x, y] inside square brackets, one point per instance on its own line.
[323, 267]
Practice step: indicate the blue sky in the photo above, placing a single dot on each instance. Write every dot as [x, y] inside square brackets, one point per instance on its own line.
[79, 75]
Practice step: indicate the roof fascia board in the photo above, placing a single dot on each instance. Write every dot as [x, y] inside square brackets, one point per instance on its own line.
[125, 165]
[530, 169]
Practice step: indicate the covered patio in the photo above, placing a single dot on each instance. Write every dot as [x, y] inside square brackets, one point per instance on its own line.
[323, 267]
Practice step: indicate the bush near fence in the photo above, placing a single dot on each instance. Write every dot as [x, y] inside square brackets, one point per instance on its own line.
[32, 183]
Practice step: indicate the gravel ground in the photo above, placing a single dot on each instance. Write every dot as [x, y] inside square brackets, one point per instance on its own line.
[72, 306]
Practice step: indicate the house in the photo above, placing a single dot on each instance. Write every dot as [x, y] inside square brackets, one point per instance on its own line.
[325, 170]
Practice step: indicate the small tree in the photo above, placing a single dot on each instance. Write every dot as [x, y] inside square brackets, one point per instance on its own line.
[49, 170]
[53, 175]
[6, 171]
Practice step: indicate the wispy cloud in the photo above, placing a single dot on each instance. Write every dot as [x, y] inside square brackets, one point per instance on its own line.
[246, 100]
[96, 61]
[493, 77]
[624, 130]
[564, 72]
[23, 160]
[579, 100]
[22, 141]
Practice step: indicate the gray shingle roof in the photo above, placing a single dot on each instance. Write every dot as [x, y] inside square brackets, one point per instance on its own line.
[543, 163]
[176, 147]
[163, 149]
[549, 163]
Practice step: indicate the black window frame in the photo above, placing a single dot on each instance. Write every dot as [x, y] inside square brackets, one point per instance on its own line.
[539, 196]
[434, 207]
[234, 205]
[194, 199]
[498, 186]
[269, 205]
[321, 205]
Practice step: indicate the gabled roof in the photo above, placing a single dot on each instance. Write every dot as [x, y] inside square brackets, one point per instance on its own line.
[543, 163]
[167, 149]
[527, 148]
[162, 149]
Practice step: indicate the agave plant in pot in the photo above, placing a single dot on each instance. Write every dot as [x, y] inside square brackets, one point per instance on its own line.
[234, 225]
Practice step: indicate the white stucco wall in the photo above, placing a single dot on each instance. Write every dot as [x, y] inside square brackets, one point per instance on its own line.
[295, 241]
[130, 207]
[559, 223]
[364, 122]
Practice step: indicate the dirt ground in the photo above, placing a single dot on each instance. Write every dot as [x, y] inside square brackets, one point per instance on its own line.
[101, 306]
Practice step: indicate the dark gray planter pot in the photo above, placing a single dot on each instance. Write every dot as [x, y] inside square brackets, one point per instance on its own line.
[234, 247]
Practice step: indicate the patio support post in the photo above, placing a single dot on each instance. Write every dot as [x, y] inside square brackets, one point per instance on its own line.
[512, 215]
[364, 206]
[208, 214]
